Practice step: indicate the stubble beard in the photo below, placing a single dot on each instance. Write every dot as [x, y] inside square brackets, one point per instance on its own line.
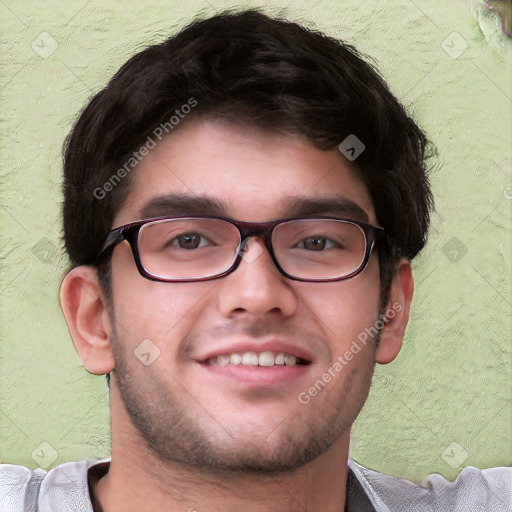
[176, 429]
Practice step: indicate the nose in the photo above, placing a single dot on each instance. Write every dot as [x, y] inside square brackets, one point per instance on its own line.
[256, 287]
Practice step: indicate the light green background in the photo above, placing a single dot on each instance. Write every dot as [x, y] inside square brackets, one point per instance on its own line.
[452, 380]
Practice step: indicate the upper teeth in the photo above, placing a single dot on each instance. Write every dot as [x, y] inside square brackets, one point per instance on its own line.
[254, 359]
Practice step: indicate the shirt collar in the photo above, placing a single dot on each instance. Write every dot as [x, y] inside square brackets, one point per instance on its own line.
[356, 499]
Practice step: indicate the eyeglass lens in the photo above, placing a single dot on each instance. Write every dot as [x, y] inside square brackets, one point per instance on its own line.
[195, 248]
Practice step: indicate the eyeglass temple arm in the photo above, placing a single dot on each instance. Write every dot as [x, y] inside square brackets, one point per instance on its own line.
[392, 248]
[113, 238]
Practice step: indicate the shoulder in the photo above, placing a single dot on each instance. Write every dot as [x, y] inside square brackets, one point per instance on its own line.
[65, 487]
[474, 489]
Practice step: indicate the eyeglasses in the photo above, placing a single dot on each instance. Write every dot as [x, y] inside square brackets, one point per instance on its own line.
[200, 248]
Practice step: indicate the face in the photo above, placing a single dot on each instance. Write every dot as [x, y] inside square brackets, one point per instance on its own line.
[241, 417]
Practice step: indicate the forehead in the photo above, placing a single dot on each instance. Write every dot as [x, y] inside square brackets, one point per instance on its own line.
[213, 167]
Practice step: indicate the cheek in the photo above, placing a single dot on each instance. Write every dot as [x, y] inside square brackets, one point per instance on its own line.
[146, 309]
[344, 309]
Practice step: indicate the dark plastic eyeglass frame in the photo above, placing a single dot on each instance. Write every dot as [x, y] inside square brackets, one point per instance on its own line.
[262, 230]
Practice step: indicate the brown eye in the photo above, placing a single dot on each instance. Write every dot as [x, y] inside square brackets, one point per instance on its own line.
[315, 244]
[189, 241]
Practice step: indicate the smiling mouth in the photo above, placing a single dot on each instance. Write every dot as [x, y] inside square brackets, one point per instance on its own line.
[250, 358]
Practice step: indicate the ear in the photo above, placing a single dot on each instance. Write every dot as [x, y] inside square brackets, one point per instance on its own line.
[86, 314]
[396, 314]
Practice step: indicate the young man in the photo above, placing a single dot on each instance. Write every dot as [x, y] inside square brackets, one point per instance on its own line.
[242, 204]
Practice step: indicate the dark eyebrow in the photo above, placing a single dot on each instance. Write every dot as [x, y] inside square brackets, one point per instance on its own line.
[177, 204]
[333, 205]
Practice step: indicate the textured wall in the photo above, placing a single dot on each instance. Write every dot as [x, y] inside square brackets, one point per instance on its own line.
[445, 403]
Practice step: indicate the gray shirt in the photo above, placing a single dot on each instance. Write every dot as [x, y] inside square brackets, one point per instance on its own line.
[65, 488]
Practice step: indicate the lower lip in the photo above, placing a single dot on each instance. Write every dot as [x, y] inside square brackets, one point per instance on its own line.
[257, 375]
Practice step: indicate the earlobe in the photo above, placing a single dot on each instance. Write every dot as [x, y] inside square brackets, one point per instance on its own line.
[396, 313]
[88, 320]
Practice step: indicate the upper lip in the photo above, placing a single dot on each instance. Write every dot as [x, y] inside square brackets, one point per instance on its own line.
[273, 345]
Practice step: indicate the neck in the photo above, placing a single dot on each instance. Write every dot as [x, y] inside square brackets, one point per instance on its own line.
[138, 481]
